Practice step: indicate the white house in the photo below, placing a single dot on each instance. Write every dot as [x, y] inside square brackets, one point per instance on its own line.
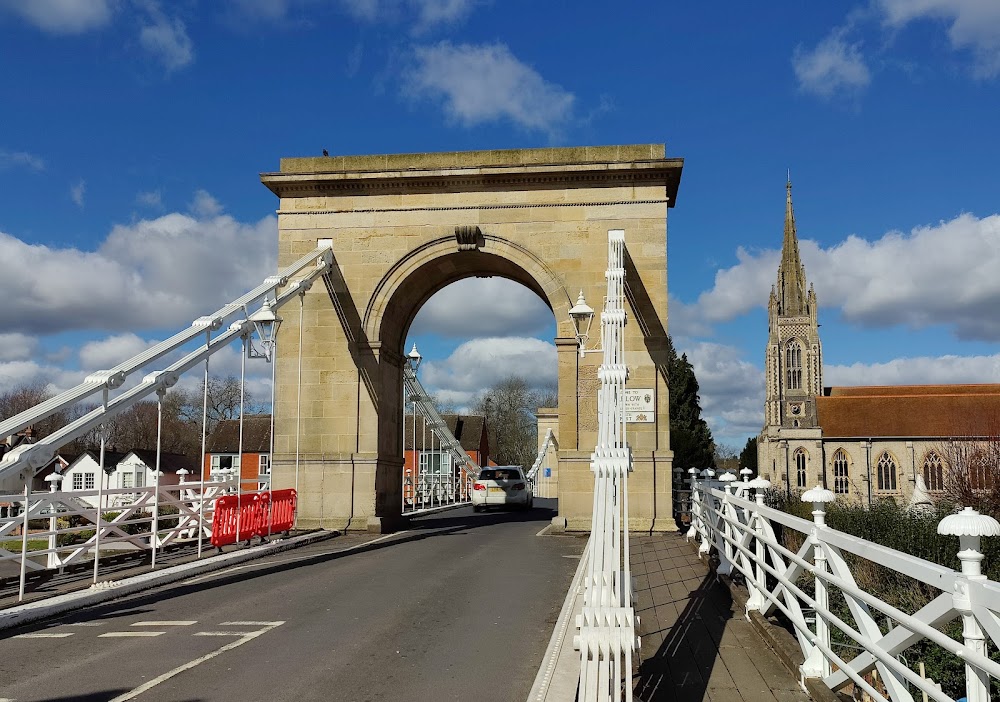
[134, 469]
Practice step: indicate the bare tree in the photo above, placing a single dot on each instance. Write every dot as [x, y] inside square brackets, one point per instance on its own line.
[510, 407]
[971, 473]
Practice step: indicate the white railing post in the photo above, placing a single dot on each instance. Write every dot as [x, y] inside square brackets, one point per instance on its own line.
[756, 601]
[52, 561]
[817, 664]
[969, 525]
[706, 521]
[722, 545]
[24, 539]
[692, 531]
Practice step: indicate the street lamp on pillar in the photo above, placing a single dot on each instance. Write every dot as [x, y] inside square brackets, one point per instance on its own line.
[414, 358]
[265, 323]
[582, 315]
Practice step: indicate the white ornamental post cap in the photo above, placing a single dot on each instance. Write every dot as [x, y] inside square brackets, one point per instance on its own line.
[819, 496]
[969, 525]
[708, 473]
[728, 482]
[759, 484]
[182, 473]
[746, 473]
[53, 479]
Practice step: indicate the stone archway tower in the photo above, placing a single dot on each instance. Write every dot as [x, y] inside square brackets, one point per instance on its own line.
[404, 226]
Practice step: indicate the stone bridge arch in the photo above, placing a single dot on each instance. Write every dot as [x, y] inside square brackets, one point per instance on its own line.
[404, 226]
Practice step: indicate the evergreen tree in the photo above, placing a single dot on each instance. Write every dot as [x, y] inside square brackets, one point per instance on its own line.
[690, 437]
[748, 456]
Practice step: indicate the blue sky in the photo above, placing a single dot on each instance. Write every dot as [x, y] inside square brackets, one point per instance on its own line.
[132, 133]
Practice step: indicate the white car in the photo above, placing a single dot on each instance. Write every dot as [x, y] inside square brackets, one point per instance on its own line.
[500, 486]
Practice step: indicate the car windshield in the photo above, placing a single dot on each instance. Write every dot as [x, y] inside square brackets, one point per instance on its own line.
[500, 474]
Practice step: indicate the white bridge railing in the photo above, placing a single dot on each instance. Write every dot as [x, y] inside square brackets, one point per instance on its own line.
[56, 529]
[802, 583]
[442, 472]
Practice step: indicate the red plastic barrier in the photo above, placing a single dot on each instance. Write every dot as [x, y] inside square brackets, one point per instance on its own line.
[283, 504]
[258, 514]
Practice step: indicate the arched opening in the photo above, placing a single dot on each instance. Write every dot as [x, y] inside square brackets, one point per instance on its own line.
[801, 461]
[486, 357]
[886, 471]
[841, 473]
[398, 299]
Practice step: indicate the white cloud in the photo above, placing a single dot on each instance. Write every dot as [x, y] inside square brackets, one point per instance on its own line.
[151, 274]
[166, 39]
[833, 67]
[923, 370]
[425, 13]
[15, 374]
[731, 390]
[485, 83]
[483, 307]
[974, 25]
[110, 351]
[78, 191]
[943, 274]
[11, 159]
[479, 363]
[62, 16]
[17, 347]
[204, 205]
[150, 198]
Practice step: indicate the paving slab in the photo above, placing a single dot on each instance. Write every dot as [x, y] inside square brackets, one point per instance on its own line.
[696, 645]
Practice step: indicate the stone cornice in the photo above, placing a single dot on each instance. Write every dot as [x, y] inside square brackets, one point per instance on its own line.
[665, 172]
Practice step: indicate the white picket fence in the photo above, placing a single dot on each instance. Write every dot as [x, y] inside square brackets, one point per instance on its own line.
[742, 531]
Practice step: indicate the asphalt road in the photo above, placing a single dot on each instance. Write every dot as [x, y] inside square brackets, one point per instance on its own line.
[458, 607]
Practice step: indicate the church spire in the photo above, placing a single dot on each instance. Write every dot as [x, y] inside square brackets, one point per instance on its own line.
[792, 289]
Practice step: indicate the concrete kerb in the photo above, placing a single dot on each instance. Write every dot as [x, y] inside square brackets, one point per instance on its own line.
[114, 589]
[558, 676]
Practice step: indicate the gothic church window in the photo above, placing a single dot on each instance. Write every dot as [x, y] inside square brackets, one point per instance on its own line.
[886, 468]
[933, 472]
[800, 467]
[841, 476]
[793, 364]
[981, 472]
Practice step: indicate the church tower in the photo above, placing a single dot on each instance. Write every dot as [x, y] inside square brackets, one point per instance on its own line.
[794, 357]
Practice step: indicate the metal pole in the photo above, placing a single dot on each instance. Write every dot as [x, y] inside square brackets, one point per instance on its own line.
[270, 448]
[154, 537]
[204, 438]
[239, 457]
[24, 536]
[298, 395]
[100, 494]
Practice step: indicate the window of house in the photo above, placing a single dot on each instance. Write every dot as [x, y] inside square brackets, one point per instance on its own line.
[225, 461]
[933, 472]
[140, 477]
[886, 469]
[89, 481]
[78, 481]
[434, 463]
[265, 464]
[841, 475]
[793, 364]
[800, 467]
[126, 479]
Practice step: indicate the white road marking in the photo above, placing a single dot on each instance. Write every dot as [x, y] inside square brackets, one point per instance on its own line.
[251, 623]
[544, 530]
[44, 635]
[167, 623]
[81, 624]
[132, 694]
[222, 633]
[227, 571]
[127, 634]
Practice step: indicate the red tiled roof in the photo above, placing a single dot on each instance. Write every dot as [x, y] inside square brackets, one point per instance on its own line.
[910, 411]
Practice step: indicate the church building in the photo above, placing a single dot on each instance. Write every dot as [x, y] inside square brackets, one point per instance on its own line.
[864, 443]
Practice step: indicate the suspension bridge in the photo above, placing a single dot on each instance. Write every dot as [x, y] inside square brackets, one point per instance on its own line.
[415, 593]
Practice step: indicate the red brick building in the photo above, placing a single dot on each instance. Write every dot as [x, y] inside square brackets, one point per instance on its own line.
[424, 460]
[222, 451]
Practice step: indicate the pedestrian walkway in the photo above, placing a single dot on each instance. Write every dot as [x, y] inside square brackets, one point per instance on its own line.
[696, 646]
